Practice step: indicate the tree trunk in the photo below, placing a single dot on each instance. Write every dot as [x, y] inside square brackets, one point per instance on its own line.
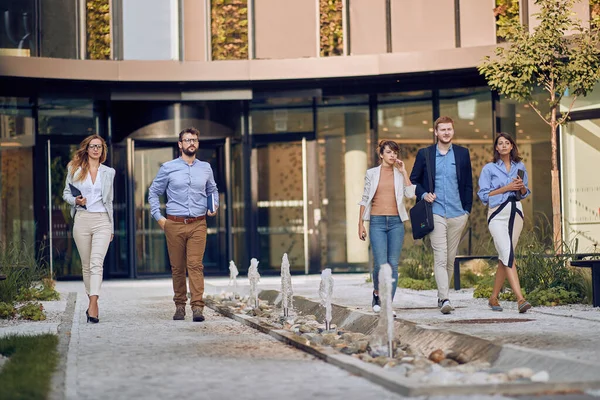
[556, 215]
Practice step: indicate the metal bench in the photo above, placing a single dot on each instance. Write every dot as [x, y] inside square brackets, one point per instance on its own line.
[594, 264]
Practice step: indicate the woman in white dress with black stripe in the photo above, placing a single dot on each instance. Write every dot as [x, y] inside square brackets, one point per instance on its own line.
[502, 184]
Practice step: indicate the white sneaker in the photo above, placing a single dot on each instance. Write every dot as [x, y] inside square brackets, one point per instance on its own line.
[446, 307]
[376, 308]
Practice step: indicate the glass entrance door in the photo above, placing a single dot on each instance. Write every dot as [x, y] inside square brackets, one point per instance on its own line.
[150, 244]
[287, 205]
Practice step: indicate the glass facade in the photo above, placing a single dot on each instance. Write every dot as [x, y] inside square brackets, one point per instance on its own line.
[150, 29]
[581, 189]
[16, 170]
[344, 151]
[289, 169]
[18, 28]
[58, 116]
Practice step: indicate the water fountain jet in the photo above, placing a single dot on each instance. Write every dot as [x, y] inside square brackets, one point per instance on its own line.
[253, 278]
[286, 286]
[326, 292]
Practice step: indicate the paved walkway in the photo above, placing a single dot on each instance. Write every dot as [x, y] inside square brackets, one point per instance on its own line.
[138, 352]
[570, 331]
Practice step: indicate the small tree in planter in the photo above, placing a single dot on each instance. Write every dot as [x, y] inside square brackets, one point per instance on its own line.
[560, 55]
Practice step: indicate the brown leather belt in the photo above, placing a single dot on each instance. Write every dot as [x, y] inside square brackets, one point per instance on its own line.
[186, 220]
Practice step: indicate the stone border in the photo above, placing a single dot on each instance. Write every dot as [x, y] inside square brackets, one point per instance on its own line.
[424, 338]
[58, 383]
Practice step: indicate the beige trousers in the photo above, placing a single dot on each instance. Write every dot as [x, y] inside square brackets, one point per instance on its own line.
[92, 232]
[445, 239]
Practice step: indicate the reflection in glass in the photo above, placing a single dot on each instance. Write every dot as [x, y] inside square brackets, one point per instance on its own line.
[65, 258]
[342, 158]
[533, 138]
[407, 119]
[16, 122]
[150, 242]
[150, 30]
[580, 144]
[215, 255]
[119, 249]
[67, 117]
[238, 227]
[280, 205]
[16, 201]
[281, 120]
[471, 110]
[18, 34]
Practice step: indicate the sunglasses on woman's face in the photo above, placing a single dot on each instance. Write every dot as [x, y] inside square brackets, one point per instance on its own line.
[95, 146]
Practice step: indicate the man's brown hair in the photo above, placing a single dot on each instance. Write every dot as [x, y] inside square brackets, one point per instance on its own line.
[443, 120]
[191, 130]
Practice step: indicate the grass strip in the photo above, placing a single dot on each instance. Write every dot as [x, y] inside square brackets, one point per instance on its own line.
[28, 372]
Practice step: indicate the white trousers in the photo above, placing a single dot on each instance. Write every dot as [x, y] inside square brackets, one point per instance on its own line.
[445, 239]
[92, 232]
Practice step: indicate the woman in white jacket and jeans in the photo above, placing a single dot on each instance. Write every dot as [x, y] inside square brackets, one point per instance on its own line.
[382, 203]
[92, 210]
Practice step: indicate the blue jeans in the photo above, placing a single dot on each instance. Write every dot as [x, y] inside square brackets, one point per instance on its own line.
[387, 237]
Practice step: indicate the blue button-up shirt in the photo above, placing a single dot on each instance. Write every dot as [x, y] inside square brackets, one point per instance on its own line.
[494, 176]
[447, 202]
[187, 188]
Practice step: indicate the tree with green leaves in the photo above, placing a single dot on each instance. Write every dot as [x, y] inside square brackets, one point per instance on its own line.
[561, 57]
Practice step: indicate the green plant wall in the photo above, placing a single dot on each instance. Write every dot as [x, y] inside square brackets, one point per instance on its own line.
[595, 13]
[507, 14]
[229, 29]
[98, 29]
[332, 33]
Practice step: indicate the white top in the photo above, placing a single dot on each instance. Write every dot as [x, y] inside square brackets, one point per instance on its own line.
[93, 193]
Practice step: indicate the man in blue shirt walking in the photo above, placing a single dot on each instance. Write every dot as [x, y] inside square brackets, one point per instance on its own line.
[188, 183]
[452, 198]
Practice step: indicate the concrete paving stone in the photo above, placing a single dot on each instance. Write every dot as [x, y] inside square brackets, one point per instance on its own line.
[570, 330]
[137, 351]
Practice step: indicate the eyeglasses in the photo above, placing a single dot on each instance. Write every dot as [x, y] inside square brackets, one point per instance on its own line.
[95, 146]
[188, 141]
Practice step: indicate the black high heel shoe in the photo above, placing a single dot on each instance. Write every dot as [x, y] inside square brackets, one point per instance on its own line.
[93, 320]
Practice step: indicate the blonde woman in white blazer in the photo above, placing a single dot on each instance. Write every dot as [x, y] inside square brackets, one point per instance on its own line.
[382, 204]
[92, 210]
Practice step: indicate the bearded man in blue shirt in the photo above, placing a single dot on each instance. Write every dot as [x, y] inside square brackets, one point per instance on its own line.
[188, 183]
[451, 197]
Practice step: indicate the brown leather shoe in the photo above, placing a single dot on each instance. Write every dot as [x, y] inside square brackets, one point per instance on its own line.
[198, 314]
[179, 313]
[524, 306]
[494, 305]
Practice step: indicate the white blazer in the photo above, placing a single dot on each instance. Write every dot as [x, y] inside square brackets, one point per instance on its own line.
[371, 183]
[108, 176]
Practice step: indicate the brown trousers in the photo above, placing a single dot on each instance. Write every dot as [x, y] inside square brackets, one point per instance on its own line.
[186, 244]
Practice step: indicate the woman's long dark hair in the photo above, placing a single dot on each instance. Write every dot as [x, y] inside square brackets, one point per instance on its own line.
[514, 153]
[80, 158]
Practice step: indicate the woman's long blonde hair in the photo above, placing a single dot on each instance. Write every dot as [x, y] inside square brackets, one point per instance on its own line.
[80, 158]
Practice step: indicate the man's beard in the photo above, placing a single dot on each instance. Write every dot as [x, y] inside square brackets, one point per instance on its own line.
[189, 153]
